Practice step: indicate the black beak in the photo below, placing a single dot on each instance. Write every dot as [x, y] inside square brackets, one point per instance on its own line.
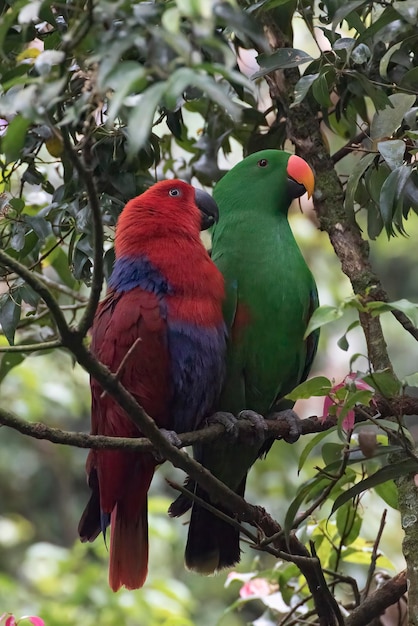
[208, 209]
[295, 189]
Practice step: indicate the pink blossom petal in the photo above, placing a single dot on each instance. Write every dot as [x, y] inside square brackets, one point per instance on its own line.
[255, 588]
[10, 621]
[327, 403]
[36, 621]
[349, 420]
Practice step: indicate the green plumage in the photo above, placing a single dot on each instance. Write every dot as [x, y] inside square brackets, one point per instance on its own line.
[270, 297]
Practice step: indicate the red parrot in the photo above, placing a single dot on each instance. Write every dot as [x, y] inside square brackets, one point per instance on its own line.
[160, 329]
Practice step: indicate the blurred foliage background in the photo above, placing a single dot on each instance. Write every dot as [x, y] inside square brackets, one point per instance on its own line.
[162, 89]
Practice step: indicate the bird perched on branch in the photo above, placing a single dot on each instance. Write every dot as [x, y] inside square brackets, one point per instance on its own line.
[271, 295]
[160, 330]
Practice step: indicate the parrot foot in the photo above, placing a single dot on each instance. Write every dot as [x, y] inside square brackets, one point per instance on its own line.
[173, 438]
[182, 503]
[293, 421]
[258, 433]
[228, 421]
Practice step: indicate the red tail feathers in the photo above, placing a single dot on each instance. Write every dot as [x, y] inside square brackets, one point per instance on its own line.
[129, 536]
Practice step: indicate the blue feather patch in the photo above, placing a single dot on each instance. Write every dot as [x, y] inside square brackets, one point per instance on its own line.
[131, 272]
[197, 371]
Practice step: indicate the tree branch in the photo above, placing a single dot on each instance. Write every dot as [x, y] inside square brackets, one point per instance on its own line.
[389, 593]
[279, 429]
[38, 430]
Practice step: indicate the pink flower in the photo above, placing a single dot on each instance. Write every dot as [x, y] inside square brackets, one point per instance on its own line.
[255, 588]
[11, 620]
[334, 399]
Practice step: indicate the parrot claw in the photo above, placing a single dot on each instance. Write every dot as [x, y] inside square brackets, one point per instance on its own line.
[293, 421]
[182, 503]
[258, 423]
[173, 438]
[228, 421]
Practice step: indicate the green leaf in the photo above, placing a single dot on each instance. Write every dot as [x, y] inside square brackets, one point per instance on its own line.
[378, 96]
[15, 137]
[125, 79]
[302, 87]
[389, 472]
[389, 493]
[354, 179]
[408, 10]
[303, 492]
[348, 523]
[344, 11]
[387, 17]
[10, 314]
[9, 361]
[281, 59]
[317, 386]
[410, 309]
[342, 341]
[410, 79]
[386, 121]
[411, 380]
[332, 452]
[323, 315]
[385, 382]
[311, 445]
[392, 151]
[142, 117]
[320, 91]
[391, 191]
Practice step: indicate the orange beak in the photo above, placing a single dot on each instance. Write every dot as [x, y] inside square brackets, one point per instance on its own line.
[299, 170]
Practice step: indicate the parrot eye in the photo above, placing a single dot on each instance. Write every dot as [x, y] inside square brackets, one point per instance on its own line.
[174, 192]
[262, 163]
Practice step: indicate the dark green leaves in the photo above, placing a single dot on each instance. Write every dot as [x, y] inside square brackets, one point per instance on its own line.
[10, 304]
[281, 59]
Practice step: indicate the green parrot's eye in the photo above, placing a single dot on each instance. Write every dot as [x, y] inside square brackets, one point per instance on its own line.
[262, 163]
[174, 192]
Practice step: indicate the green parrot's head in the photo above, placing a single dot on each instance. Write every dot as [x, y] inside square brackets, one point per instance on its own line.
[269, 179]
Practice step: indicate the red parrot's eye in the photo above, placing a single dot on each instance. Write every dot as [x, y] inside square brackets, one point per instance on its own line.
[174, 192]
[262, 163]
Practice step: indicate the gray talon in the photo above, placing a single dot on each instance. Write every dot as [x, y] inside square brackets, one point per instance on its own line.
[173, 438]
[258, 423]
[228, 420]
[292, 420]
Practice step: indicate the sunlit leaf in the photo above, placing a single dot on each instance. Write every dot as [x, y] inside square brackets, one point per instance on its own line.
[323, 315]
[392, 151]
[14, 139]
[317, 386]
[387, 120]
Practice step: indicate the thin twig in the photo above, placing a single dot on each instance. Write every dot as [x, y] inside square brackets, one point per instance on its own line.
[31, 347]
[375, 555]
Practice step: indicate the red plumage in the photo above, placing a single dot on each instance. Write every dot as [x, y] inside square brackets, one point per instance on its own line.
[162, 275]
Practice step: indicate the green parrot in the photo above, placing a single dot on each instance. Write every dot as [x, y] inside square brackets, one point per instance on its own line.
[270, 296]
